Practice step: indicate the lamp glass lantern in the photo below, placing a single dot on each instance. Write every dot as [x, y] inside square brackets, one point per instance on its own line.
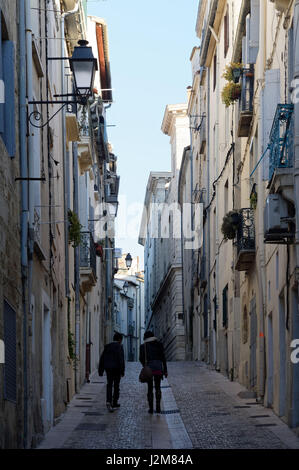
[83, 65]
[129, 260]
[126, 287]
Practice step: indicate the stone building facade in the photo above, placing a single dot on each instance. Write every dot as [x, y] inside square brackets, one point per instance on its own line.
[246, 290]
[59, 177]
[161, 235]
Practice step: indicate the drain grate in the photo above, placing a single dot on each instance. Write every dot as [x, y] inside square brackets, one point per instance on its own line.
[260, 416]
[83, 406]
[169, 412]
[242, 406]
[91, 427]
[265, 425]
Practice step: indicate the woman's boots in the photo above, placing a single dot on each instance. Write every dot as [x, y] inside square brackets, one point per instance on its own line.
[158, 401]
[150, 398]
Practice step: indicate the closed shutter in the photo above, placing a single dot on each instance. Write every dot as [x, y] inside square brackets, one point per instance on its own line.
[225, 306]
[2, 100]
[9, 105]
[254, 31]
[10, 341]
[270, 100]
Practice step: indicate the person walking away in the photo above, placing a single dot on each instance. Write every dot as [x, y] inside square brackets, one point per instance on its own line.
[113, 363]
[155, 359]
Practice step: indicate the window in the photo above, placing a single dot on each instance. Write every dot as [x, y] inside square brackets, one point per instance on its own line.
[205, 316]
[226, 32]
[225, 306]
[7, 81]
[215, 72]
[226, 197]
[10, 341]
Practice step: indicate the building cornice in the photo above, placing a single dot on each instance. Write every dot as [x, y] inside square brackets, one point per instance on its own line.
[172, 111]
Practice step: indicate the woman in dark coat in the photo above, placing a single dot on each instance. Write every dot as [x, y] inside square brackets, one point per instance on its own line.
[155, 358]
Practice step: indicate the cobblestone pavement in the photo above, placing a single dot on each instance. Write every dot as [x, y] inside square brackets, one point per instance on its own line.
[201, 407]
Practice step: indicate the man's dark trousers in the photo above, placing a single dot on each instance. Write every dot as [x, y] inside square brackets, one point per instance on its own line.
[113, 380]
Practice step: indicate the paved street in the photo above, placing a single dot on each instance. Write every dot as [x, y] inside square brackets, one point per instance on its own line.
[200, 409]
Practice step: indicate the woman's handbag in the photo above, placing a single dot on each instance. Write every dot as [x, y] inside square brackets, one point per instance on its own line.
[146, 373]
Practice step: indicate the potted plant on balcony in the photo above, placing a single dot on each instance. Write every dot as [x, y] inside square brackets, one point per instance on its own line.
[75, 236]
[231, 93]
[99, 248]
[233, 72]
[230, 225]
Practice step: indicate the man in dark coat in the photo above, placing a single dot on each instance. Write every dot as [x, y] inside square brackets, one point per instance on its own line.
[113, 362]
[154, 358]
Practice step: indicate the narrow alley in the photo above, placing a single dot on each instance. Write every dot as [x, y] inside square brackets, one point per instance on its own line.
[201, 409]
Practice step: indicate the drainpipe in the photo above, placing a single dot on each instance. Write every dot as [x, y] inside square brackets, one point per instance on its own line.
[213, 359]
[260, 235]
[66, 192]
[24, 198]
[296, 189]
[77, 270]
[66, 162]
[209, 210]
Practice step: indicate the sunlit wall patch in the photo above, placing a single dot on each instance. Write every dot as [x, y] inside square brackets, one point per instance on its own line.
[2, 352]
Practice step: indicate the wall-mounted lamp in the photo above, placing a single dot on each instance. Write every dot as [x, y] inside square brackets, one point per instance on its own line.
[129, 260]
[126, 287]
[83, 65]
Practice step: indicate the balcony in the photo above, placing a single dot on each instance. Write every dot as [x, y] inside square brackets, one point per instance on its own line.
[112, 189]
[88, 262]
[246, 102]
[281, 140]
[245, 240]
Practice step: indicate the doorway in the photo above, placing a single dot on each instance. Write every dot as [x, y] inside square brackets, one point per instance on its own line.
[282, 356]
[47, 397]
[270, 362]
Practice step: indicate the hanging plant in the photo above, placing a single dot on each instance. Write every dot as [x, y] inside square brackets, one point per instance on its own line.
[253, 200]
[233, 72]
[230, 93]
[75, 236]
[99, 249]
[230, 225]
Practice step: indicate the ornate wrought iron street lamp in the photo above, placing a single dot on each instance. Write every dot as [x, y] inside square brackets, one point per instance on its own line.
[84, 66]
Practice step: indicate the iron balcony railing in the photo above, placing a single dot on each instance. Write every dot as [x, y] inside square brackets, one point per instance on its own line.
[88, 253]
[246, 230]
[281, 139]
[131, 303]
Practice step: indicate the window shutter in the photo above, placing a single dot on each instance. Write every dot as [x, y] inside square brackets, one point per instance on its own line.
[225, 306]
[247, 39]
[244, 50]
[9, 105]
[270, 100]
[10, 341]
[254, 30]
[1, 84]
